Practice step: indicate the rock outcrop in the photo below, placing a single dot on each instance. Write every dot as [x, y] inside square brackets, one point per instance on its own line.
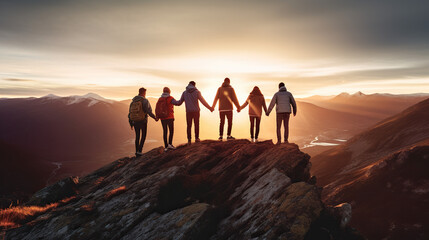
[208, 190]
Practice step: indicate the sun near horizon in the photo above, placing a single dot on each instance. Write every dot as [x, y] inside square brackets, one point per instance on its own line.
[112, 49]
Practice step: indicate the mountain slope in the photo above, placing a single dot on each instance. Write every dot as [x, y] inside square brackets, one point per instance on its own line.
[385, 163]
[21, 173]
[73, 135]
[406, 129]
[216, 190]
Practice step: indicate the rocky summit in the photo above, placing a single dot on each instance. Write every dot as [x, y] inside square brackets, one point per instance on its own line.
[207, 190]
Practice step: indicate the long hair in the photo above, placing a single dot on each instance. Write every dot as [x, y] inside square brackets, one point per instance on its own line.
[256, 91]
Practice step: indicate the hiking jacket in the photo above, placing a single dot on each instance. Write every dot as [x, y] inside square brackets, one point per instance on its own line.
[169, 104]
[146, 108]
[283, 101]
[226, 96]
[191, 96]
[256, 103]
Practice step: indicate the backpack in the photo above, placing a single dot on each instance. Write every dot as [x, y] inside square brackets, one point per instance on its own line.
[161, 109]
[136, 111]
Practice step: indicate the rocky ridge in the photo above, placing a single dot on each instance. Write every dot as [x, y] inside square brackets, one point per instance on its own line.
[208, 190]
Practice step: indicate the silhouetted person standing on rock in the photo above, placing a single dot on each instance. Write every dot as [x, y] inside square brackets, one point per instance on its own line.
[256, 102]
[191, 96]
[165, 111]
[137, 117]
[226, 96]
[283, 99]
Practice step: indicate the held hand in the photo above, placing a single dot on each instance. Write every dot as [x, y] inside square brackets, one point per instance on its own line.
[294, 114]
[238, 110]
[211, 109]
[267, 114]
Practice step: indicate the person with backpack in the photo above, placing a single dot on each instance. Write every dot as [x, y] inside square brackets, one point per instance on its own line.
[226, 96]
[284, 100]
[164, 111]
[137, 117]
[191, 96]
[256, 102]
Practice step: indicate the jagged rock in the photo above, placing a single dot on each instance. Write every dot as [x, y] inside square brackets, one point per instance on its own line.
[343, 212]
[55, 192]
[191, 222]
[208, 190]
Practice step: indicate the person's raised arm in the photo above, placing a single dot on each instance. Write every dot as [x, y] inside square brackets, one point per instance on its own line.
[293, 104]
[245, 103]
[272, 103]
[203, 101]
[264, 104]
[235, 100]
[215, 99]
[178, 103]
[148, 109]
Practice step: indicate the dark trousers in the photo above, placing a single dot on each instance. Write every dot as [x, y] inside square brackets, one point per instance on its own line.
[254, 120]
[228, 115]
[283, 117]
[195, 116]
[168, 126]
[140, 127]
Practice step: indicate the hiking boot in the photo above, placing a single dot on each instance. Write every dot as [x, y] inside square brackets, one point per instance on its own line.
[220, 138]
[138, 154]
[165, 149]
[197, 140]
[171, 147]
[189, 141]
[230, 138]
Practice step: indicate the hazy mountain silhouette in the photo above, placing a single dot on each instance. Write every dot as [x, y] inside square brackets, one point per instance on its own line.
[374, 106]
[383, 172]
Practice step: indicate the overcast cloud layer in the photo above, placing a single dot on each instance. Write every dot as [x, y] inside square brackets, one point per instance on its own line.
[310, 44]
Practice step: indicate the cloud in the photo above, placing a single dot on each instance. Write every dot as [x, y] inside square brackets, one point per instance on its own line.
[18, 80]
[333, 42]
[294, 29]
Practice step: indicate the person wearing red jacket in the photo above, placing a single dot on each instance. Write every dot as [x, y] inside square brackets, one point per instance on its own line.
[165, 111]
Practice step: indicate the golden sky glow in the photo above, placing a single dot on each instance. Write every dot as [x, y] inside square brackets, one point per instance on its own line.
[111, 48]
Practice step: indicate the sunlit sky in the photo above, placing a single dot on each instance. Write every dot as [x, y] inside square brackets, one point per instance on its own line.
[69, 47]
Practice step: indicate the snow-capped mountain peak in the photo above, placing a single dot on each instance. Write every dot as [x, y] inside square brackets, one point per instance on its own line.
[74, 99]
[51, 96]
[94, 99]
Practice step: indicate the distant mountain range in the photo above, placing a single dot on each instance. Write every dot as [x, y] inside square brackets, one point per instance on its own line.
[374, 106]
[383, 173]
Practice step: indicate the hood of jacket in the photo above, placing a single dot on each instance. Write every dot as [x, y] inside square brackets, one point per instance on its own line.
[225, 84]
[191, 88]
[137, 98]
[165, 95]
[283, 89]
